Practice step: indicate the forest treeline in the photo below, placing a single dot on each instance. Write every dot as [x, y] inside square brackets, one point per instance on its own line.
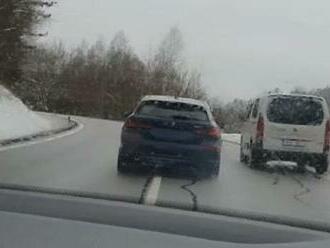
[102, 80]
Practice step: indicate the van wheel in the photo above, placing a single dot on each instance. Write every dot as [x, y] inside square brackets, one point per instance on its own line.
[255, 159]
[242, 158]
[322, 165]
[300, 168]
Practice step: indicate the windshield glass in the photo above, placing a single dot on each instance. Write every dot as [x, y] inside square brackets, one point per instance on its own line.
[205, 105]
[295, 111]
[169, 110]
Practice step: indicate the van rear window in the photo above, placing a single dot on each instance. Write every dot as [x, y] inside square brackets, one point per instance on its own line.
[295, 111]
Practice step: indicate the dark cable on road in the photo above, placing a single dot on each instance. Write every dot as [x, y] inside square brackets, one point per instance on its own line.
[146, 185]
[193, 195]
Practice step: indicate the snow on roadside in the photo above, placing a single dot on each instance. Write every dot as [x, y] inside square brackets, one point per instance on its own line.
[232, 137]
[57, 121]
[16, 120]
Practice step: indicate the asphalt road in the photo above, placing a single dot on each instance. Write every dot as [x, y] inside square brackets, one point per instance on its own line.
[86, 162]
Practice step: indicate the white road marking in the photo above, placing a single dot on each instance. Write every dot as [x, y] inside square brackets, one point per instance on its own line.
[152, 191]
[280, 163]
[42, 140]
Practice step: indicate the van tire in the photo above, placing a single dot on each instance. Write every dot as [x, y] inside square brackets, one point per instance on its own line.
[255, 160]
[243, 158]
[301, 168]
[322, 165]
[122, 168]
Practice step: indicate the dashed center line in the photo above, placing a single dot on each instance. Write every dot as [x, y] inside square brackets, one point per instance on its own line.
[152, 191]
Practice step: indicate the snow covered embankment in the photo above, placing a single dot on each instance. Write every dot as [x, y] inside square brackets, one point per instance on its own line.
[18, 122]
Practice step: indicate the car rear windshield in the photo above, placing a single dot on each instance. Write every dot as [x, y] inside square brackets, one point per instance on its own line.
[296, 111]
[173, 110]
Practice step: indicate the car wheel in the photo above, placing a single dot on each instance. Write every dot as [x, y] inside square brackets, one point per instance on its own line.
[215, 170]
[322, 165]
[122, 166]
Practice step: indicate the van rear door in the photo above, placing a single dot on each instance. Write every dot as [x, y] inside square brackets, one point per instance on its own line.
[295, 123]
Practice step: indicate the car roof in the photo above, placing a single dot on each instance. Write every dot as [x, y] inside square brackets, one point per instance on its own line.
[175, 99]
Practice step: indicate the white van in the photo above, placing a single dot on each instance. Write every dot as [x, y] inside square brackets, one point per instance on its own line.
[287, 127]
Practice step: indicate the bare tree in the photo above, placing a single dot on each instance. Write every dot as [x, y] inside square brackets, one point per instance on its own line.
[170, 51]
[127, 74]
[167, 70]
[298, 90]
[41, 70]
[105, 81]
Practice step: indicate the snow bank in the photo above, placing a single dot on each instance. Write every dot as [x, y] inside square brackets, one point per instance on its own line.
[232, 137]
[16, 120]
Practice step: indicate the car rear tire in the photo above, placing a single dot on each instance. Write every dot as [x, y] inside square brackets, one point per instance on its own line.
[122, 165]
[122, 168]
[215, 170]
[322, 165]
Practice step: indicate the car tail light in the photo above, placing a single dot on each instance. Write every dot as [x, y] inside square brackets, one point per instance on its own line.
[327, 137]
[260, 129]
[212, 148]
[213, 132]
[136, 124]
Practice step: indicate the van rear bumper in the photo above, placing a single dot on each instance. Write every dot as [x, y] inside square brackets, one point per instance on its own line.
[299, 157]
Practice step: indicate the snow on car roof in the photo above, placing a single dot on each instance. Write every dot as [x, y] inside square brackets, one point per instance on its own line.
[175, 99]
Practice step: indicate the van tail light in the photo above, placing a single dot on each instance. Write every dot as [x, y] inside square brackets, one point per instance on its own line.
[327, 137]
[133, 123]
[213, 132]
[260, 129]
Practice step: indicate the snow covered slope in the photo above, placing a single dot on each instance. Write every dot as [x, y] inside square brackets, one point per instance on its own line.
[16, 120]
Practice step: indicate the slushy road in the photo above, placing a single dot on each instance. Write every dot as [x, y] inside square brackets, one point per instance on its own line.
[86, 162]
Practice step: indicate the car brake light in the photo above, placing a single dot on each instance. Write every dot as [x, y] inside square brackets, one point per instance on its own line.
[133, 123]
[260, 129]
[327, 137]
[212, 148]
[213, 132]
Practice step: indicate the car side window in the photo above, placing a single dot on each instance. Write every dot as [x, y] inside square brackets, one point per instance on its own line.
[255, 109]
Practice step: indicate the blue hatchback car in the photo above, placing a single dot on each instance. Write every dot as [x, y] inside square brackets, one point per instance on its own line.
[171, 132]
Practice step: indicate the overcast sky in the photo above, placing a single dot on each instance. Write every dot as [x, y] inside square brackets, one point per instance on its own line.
[242, 48]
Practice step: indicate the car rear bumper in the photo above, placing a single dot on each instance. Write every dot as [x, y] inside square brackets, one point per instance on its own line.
[169, 155]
